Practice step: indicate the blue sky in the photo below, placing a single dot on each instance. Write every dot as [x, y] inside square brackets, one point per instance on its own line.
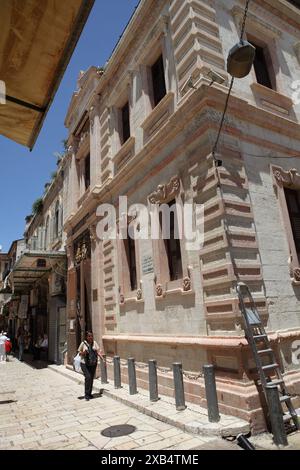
[24, 174]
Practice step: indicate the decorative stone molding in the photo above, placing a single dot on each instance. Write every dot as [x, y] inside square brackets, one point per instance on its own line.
[125, 153]
[297, 50]
[296, 274]
[254, 22]
[272, 100]
[186, 284]
[158, 116]
[290, 178]
[164, 24]
[93, 234]
[159, 290]
[165, 192]
[82, 249]
[139, 294]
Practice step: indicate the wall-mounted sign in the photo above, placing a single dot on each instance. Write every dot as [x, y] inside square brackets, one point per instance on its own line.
[23, 307]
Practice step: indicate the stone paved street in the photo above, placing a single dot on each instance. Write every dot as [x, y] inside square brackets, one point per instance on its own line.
[40, 409]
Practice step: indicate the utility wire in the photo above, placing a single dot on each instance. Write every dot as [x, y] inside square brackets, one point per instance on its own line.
[215, 160]
[214, 150]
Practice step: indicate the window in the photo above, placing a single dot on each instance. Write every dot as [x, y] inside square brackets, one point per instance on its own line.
[47, 233]
[295, 3]
[125, 116]
[172, 244]
[262, 66]
[56, 220]
[87, 172]
[131, 262]
[158, 80]
[293, 204]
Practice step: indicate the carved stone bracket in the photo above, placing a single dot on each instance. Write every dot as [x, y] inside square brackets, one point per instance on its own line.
[139, 294]
[93, 234]
[82, 249]
[159, 290]
[294, 271]
[290, 178]
[186, 284]
[165, 192]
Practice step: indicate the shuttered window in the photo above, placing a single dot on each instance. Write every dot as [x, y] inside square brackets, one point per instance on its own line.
[293, 204]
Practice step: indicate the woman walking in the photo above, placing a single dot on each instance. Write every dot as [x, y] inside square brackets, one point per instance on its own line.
[89, 352]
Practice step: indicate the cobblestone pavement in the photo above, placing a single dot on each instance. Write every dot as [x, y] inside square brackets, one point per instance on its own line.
[40, 409]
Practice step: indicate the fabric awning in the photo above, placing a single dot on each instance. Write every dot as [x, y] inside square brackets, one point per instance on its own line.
[34, 265]
[37, 39]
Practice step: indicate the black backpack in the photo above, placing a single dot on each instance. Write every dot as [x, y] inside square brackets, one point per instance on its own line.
[91, 358]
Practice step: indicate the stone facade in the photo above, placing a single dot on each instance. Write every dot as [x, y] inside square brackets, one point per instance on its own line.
[195, 318]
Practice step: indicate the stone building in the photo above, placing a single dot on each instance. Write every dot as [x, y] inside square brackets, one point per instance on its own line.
[144, 128]
[10, 299]
[4, 295]
[38, 276]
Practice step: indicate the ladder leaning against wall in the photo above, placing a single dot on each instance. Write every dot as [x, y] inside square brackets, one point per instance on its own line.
[264, 357]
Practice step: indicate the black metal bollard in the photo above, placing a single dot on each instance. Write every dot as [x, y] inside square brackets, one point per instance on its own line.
[276, 416]
[117, 372]
[132, 376]
[153, 387]
[103, 369]
[211, 394]
[179, 387]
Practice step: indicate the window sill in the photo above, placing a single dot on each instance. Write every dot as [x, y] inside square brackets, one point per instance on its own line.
[83, 197]
[272, 100]
[125, 153]
[159, 115]
[181, 286]
[83, 147]
[135, 296]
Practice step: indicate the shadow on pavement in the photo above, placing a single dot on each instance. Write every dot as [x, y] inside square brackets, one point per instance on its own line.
[35, 364]
[94, 395]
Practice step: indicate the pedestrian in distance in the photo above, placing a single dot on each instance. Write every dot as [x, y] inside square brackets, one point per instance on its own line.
[37, 349]
[3, 339]
[21, 342]
[89, 352]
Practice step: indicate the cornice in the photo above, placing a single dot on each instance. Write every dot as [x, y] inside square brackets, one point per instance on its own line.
[256, 22]
[286, 15]
[144, 10]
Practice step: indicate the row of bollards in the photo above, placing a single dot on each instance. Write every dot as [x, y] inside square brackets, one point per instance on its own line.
[278, 429]
[209, 379]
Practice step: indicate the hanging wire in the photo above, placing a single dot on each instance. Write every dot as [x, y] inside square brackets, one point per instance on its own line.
[214, 150]
[244, 20]
[222, 120]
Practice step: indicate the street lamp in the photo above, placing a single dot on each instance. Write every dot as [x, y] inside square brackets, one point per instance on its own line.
[240, 59]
